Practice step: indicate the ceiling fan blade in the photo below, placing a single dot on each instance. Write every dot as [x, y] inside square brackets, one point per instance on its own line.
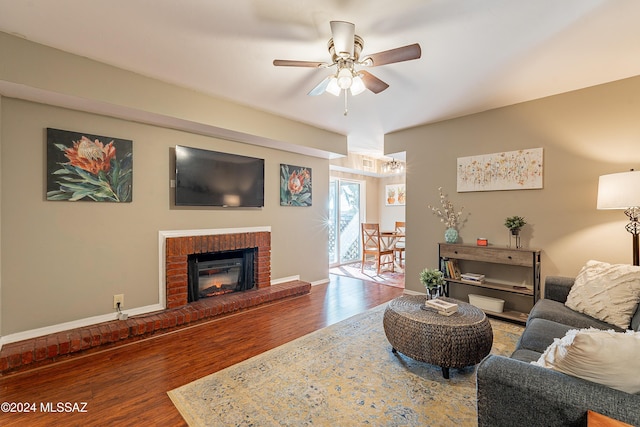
[371, 82]
[399, 54]
[343, 37]
[321, 87]
[288, 63]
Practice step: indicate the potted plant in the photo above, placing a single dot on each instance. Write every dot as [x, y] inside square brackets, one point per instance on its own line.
[433, 281]
[514, 224]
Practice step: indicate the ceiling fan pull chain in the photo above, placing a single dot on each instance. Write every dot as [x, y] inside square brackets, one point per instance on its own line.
[346, 109]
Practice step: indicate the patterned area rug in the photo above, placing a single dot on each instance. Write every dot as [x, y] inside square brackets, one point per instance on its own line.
[369, 273]
[341, 375]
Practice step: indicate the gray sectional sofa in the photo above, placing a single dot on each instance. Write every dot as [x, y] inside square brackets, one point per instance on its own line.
[513, 392]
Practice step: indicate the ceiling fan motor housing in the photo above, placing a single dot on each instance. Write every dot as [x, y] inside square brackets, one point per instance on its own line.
[358, 44]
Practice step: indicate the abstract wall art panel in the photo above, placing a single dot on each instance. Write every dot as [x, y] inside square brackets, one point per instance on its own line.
[511, 170]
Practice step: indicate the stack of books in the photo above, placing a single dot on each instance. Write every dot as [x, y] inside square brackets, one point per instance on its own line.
[449, 268]
[472, 277]
[443, 307]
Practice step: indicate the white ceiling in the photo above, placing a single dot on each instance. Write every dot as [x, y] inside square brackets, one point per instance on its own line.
[476, 54]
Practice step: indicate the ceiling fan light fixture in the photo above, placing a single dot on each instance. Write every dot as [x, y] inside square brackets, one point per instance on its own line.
[345, 78]
[333, 87]
[357, 86]
[345, 48]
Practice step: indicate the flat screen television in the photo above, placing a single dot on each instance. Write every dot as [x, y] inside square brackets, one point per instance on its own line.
[211, 178]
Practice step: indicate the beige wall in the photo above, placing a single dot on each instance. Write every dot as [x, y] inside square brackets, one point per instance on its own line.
[584, 134]
[64, 261]
[87, 252]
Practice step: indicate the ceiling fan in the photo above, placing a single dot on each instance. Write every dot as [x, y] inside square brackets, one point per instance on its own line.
[345, 48]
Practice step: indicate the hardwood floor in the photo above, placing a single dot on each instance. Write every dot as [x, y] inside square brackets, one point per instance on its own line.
[127, 385]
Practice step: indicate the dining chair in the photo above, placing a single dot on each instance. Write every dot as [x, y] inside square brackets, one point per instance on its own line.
[372, 245]
[398, 247]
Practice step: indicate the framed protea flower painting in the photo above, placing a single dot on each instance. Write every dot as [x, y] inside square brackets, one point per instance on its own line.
[295, 185]
[85, 167]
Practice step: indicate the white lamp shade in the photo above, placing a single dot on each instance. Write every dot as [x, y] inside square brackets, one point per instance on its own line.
[357, 87]
[345, 78]
[333, 87]
[619, 190]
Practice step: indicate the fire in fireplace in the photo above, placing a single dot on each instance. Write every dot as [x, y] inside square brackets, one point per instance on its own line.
[218, 273]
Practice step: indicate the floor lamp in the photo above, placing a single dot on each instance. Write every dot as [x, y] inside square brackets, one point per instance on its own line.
[622, 191]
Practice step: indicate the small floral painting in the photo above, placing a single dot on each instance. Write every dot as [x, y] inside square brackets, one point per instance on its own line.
[85, 167]
[395, 195]
[295, 185]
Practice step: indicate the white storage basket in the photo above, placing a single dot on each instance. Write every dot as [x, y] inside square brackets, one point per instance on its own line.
[487, 303]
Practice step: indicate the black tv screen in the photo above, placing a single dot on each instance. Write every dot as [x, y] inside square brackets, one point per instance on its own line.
[211, 178]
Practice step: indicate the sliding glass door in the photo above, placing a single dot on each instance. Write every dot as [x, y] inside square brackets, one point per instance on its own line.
[346, 201]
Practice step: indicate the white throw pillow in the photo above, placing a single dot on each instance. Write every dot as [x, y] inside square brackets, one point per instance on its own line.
[605, 357]
[608, 292]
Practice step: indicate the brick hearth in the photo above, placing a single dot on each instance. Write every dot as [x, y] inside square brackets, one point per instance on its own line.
[35, 352]
[31, 353]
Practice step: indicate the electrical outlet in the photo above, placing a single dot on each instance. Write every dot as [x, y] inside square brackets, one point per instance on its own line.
[118, 299]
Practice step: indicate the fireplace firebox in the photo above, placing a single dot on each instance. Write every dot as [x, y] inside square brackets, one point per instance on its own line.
[218, 273]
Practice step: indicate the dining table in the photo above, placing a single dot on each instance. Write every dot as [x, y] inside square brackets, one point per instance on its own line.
[389, 238]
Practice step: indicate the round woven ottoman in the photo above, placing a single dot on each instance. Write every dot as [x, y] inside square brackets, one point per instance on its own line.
[462, 339]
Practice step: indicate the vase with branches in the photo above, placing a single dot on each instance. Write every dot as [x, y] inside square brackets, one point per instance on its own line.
[448, 215]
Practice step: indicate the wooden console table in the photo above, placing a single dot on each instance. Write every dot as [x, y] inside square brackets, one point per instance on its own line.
[510, 258]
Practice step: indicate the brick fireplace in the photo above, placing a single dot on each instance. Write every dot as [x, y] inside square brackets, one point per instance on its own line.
[178, 248]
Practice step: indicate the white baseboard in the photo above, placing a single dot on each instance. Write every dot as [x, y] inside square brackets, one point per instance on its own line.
[320, 282]
[34, 333]
[80, 323]
[285, 280]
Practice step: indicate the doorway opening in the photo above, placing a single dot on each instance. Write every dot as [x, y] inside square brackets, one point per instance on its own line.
[346, 212]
